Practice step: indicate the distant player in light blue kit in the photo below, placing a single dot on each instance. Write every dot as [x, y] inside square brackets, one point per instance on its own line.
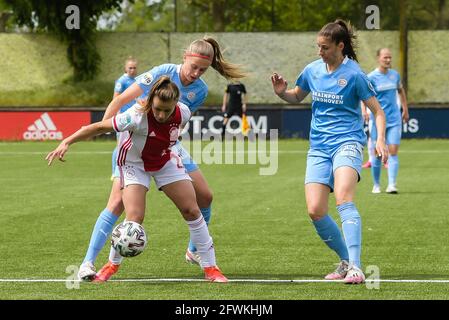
[334, 161]
[198, 57]
[121, 84]
[387, 83]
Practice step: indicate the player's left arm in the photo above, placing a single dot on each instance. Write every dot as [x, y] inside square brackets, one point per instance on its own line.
[403, 98]
[84, 133]
[379, 117]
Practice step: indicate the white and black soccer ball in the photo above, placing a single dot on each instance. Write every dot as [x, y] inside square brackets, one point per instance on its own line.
[129, 239]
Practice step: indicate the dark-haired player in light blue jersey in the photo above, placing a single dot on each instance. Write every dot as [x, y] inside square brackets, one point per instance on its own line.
[198, 57]
[387, 83]
[337, 85]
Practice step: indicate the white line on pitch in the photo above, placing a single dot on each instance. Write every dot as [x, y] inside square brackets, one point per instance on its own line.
[218, 152]
[235, 280]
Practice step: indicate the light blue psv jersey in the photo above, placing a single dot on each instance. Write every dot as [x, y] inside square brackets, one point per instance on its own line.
[336, 113]
[121, 84]
[192, 95]
[386, 86]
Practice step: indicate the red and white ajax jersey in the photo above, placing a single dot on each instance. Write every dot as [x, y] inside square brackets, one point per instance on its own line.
[145, 142]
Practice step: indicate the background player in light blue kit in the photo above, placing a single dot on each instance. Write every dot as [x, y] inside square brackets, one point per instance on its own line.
[337, 85]
[121, 84]
[387, 83]
[107, 219]
[197, 58]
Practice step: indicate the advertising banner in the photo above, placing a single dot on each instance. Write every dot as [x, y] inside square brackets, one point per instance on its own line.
[37, 126]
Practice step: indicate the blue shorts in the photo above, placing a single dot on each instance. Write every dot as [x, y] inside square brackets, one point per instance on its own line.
[322, 163]
[392, 134]
[115, 171]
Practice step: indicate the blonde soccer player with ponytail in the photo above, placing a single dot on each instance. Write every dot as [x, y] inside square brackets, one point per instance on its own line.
[198, 57]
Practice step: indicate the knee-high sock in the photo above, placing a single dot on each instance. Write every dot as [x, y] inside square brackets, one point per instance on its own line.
[393, 168]
[199, 233]
[102, 230]
[206, 212]
[114, 255]
[352, 231]
[329, 232]
[375, 170]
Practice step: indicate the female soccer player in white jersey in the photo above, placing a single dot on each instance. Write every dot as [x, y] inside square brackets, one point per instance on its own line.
[334, 160]
[198, 57]
[148, 133]
[387, 83]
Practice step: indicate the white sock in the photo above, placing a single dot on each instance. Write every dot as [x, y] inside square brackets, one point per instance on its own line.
[115, 257]
[199, 234]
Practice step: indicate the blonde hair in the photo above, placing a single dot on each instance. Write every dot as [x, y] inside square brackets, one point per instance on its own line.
[164, 89]
[209, 47]
[130, 59]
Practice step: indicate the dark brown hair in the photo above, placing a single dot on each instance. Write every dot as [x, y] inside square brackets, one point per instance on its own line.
[164, 89]
[341, 31]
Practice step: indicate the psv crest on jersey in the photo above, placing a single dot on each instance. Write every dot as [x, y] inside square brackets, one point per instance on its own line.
[342, 82]
[191, 95]
[147, 78]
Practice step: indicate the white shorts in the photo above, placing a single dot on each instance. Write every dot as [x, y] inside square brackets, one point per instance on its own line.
[171, 172]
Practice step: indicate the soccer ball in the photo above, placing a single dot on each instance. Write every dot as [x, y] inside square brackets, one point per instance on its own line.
[129, 239]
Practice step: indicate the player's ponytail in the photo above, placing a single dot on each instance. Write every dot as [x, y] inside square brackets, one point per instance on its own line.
[210, 49]
[164, 89]
[341, 31]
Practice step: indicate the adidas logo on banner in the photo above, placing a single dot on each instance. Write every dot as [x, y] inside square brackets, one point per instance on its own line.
[152, 134]
[42, 129]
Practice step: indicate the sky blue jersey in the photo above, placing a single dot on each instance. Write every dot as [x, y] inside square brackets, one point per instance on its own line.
[386, 86]
[192, 95]
[336, 112]
[121, 84]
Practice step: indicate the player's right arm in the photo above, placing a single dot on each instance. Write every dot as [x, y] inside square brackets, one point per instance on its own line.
[84, 133]
[365, 113]
[294, 95]
[127, 96]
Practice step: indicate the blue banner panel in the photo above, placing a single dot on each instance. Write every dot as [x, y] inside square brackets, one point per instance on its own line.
[423, 123]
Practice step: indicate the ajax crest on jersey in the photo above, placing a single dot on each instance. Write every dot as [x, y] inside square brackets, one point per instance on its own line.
[129, 239]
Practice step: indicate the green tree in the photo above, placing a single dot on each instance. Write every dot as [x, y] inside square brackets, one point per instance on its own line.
[148, 16]
[275, 15]
[5, 16]
[428, 14]
[50, 16]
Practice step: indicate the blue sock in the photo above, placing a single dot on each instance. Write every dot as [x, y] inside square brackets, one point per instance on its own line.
[375, 170]
[206, 212]
[102, 230]
[352, 230]
[329, 232]
[393, 168]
